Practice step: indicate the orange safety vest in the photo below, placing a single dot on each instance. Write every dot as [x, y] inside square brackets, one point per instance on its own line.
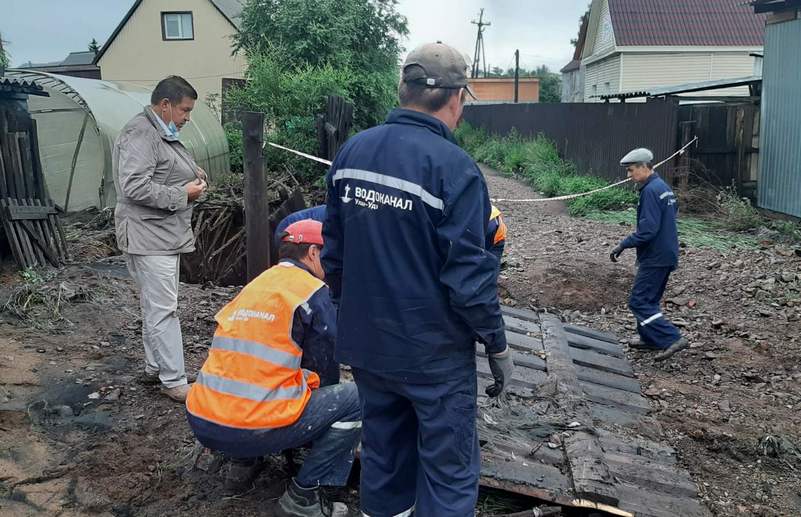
[500, 233]
[252, 378]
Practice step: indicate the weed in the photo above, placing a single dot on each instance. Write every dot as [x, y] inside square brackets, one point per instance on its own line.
[694, 232]
[538, 162]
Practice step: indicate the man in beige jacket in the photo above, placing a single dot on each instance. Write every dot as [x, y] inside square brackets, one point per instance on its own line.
[157, 181]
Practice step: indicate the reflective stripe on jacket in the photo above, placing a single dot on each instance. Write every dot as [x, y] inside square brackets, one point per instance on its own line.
[253, 378]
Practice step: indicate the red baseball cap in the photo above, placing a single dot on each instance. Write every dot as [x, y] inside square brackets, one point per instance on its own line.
[307, 231]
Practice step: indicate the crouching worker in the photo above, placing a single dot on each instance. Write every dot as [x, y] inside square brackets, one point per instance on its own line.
[259, 392]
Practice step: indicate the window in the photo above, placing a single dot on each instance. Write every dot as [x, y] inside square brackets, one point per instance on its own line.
[607, 88]
[177, 26]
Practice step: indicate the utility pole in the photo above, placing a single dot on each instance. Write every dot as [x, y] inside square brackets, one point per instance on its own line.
[517, 74]
[480, 51]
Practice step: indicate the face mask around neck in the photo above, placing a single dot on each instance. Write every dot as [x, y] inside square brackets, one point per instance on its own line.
[171, 126]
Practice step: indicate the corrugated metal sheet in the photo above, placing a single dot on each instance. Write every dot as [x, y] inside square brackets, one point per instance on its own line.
[780, 146]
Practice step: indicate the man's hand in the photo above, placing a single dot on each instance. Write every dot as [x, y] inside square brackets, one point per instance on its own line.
[615, 253]
[194, 189]
[501, 366]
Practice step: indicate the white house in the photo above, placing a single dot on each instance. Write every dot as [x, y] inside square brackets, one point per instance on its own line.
[634, 45]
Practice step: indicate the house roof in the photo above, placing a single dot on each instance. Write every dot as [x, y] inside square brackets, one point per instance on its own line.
[701, 86]
[230, 9]
[720, 23]
[79, 58]
[765, 6]
[575, 64]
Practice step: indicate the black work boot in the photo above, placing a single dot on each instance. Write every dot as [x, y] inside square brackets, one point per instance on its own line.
[309, 502]
[240, 474]
[678, 346]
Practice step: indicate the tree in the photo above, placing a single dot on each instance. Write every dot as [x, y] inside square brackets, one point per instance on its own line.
[299, 52]
[358, 36]
[94, 46]
[583, 20]
[550, 84]
[4, 57]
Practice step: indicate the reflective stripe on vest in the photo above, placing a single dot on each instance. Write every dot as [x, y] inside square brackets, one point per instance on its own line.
[500, 232]
[252, 378]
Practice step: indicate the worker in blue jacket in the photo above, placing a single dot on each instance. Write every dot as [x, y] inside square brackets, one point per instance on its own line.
[657, 244]
[405, 256]
[315, 213]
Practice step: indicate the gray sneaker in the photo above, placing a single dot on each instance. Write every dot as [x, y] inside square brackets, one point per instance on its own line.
[678, 346]
[309, 502]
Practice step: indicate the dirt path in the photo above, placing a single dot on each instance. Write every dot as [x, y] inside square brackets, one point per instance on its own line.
[731, 403]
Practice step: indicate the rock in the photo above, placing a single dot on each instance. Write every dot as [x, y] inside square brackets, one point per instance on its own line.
[717, 323]
[114, 395]
[65, 412]
[716, 378]
[93, 396]
[41, 350]
[692, 303]
[59, 349]
[765, 313]
[653, 392]
[788, 277]
[679, 301]
[724, 405]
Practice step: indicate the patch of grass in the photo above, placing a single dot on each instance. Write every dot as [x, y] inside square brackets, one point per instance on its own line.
[537, 161]
[693, 231]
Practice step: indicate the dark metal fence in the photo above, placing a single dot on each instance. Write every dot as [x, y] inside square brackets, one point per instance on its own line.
[596, 136]
[593, 136]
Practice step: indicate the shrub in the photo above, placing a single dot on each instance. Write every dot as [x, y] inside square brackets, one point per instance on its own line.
[233, 134]
[737, 212]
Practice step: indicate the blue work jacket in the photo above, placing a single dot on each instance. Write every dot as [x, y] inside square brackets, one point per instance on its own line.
[316, 213]
[656, 238]
[314, 329]
[404, 254]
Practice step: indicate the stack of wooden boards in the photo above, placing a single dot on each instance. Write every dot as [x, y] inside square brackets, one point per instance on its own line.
[28, 215]
[576, 429]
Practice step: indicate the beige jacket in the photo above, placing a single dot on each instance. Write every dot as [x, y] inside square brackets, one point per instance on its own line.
[150, 168]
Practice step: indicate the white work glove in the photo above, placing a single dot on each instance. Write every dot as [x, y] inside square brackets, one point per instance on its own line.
[502, 367]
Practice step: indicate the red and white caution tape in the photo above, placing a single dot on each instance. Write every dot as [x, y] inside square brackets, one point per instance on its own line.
[530, 200]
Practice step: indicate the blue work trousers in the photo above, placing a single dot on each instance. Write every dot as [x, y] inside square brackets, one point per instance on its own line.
[331, 422]
[645, 303]
[419, 447]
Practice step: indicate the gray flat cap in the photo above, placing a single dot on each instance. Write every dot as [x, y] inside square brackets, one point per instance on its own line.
[641, 155]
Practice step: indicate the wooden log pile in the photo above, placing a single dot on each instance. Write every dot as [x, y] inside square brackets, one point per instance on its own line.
[29, 220]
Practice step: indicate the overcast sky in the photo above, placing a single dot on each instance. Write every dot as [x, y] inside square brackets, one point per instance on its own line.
[47, 30]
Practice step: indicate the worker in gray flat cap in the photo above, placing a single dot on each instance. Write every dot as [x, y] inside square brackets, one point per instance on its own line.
[657, 243]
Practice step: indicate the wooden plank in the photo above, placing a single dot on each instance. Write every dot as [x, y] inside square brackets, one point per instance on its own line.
[3, 193]
[49, 237]
[601, 362]
[16, 167]
[645, 473]
[522, 314]
[24, 239]
[524, 342]
[592, 333]
[56, 222]
[526, 377]
[24, 145]
[517, 325]
[614, 415]
[611, 380]
[623, 399]
[13, 240]
[590, 475]
[587, 343]
[5, 150]
[37, 244]
[648, 504]
[39, 177]
[29, 212]
[618, 444]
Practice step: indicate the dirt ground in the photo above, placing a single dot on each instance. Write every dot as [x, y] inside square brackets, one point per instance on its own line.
[80, 436]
